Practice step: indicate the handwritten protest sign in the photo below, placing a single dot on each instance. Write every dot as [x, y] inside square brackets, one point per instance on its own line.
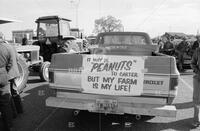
[113, 75]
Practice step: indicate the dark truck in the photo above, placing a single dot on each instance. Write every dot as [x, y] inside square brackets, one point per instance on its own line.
[123, 75]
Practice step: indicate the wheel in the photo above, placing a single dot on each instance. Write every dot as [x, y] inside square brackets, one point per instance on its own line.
[44, 74]
[36, 67]
[24, 72]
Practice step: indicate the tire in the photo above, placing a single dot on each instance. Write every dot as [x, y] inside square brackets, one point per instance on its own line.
[44, 75]
[24, 73]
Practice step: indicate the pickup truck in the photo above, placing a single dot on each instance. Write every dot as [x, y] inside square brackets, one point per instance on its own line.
[124, 74]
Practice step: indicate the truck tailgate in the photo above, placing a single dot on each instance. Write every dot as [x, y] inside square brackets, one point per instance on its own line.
[67, 75]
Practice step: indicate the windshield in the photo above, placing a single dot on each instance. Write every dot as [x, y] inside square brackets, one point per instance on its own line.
[123, 39]
[48, 28]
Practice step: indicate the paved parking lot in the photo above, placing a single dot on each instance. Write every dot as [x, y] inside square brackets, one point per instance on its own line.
[38, 117]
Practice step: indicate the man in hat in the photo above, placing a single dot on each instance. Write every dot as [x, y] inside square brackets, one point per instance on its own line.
[168, 47]
[195, 64]
[181, 49]
[196, 43]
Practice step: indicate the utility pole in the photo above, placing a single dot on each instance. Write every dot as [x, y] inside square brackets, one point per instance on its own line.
[76, 5]
[99, 8]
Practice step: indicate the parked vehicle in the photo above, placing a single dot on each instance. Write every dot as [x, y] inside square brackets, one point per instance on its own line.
[123, 75]
[37, 56]
[53, 36]
[28, 58]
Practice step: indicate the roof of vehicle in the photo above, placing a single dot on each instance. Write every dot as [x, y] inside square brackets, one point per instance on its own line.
[7, 20]
[74, 29]
[126, 33]
[91, 37]
[52, 17]
[70, 38]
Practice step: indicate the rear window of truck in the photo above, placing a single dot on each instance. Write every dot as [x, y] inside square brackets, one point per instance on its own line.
[123, 39]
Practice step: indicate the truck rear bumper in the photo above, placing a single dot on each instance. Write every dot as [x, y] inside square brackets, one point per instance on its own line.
[129, 105]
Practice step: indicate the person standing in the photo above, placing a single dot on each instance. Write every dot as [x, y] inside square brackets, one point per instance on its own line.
[168, 47]
[181, 49]
[195, 64]
[160, 45]
[5, 96]
[196, 43]
[24, 41]
[13, 74]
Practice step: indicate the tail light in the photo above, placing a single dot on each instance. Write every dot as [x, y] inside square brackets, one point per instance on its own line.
[173, 83]
[51, 77]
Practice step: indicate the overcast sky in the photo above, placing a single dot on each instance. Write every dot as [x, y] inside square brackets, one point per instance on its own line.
[152, 16]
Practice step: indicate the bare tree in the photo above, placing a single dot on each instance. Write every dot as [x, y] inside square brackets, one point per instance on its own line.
[108, 24]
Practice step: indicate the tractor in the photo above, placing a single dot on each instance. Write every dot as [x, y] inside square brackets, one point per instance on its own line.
[53, 36]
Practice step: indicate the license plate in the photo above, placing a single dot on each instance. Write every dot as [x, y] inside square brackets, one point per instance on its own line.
[106, 105]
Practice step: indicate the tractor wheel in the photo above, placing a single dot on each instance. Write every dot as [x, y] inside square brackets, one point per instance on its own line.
[44, 74]
[24, 72]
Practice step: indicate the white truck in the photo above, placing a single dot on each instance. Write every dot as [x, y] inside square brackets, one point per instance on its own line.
[123, 75]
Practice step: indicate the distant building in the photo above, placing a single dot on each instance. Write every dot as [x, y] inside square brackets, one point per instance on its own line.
[18, 35]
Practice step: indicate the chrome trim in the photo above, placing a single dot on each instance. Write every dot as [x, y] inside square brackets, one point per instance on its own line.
[79, 71]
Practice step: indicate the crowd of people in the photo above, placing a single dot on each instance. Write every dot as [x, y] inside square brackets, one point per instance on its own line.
[193, 50]
[10, 100]
[167, 46]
